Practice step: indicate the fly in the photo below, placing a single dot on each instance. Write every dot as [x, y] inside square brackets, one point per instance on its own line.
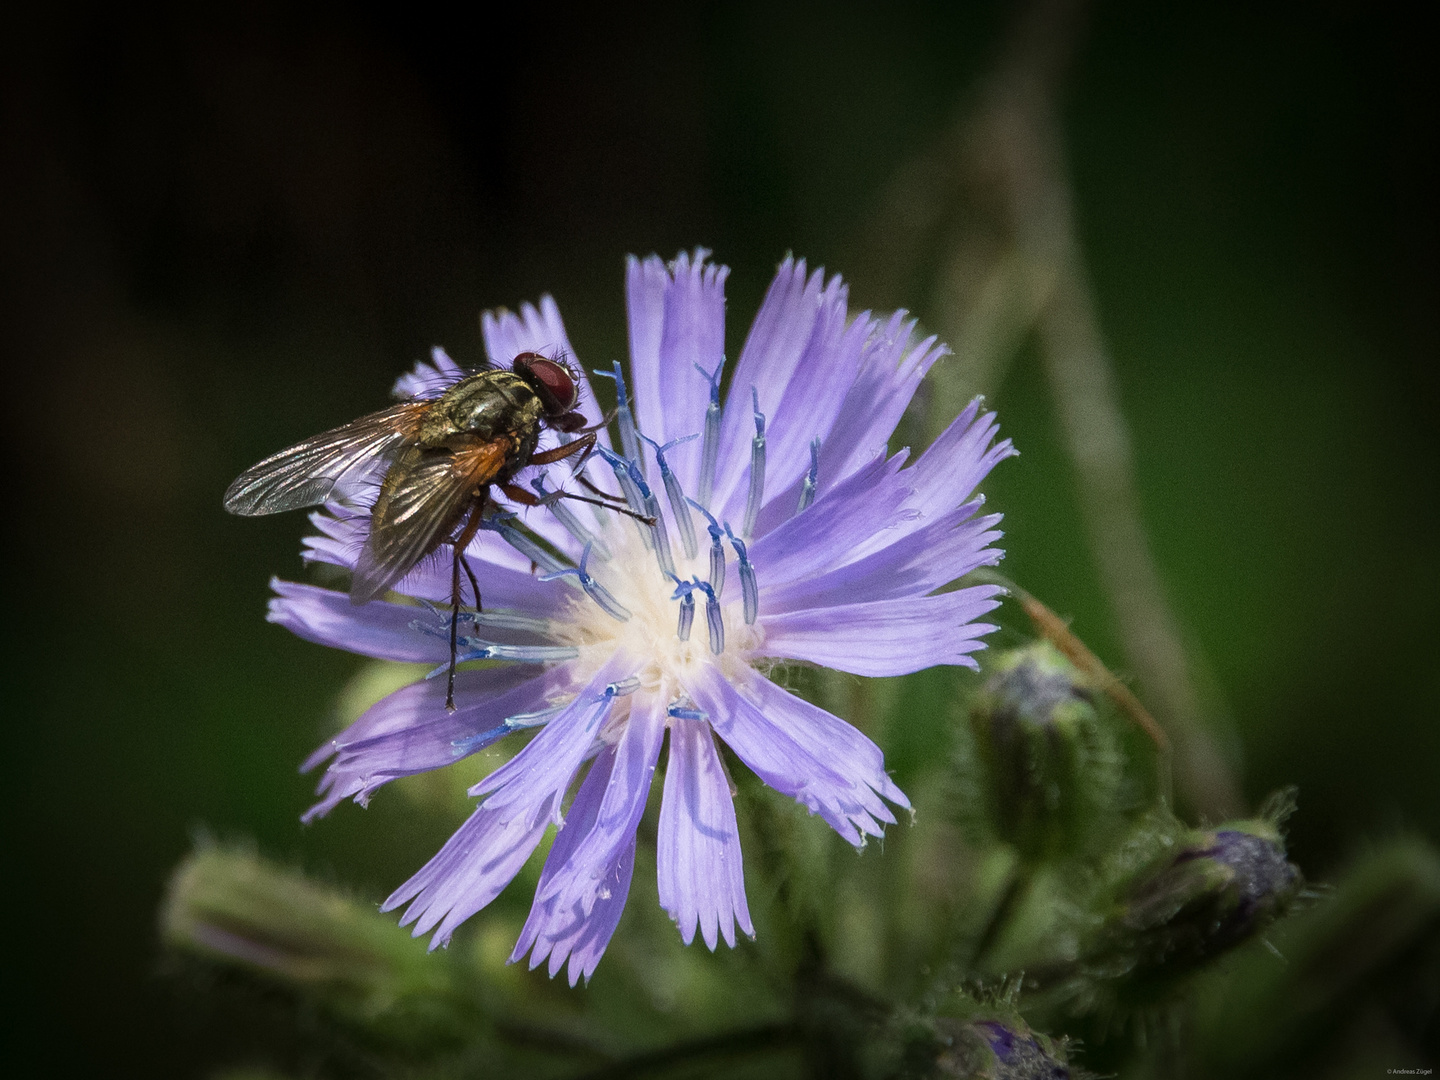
[443, 455]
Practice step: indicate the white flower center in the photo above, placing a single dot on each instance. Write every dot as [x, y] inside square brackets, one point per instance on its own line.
[666, 665]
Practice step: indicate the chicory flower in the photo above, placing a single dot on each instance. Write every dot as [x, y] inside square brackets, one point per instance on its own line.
[785, 532]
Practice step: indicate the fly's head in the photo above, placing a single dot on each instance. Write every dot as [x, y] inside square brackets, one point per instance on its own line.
[554, 384]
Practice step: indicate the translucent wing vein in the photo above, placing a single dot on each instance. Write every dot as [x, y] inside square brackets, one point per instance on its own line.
[306, 474]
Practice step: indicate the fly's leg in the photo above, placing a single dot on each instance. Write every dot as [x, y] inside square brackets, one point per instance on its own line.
[524, 498]
[461, 542]
[582, 446]
[585, 443]
[474, 585]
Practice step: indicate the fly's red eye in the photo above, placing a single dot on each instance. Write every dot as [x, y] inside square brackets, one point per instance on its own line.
[553, 377]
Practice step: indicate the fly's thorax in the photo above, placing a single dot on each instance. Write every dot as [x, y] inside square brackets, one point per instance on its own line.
[487, 405]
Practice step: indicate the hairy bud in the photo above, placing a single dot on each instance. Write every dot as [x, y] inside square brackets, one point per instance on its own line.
[1220, 888]
[237, 910]
[1048, 761]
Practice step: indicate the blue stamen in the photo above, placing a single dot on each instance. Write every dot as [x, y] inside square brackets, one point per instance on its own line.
[682, 711]
[500, 620]
[807, 489]
[552, 500]
[534, 719]
[500, 522]
[717, 551]
[710, 448]
[656, 537]
[625, 475]
[757, 468]
[593, 588]
[602, 709]
[713, 618]
[659, 535]
[749, 587]
[624, 416]
[471, 743]
[508, 620]
[679, 507]
[478, 649]
[684, 592]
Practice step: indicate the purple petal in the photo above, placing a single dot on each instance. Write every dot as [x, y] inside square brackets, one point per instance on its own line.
[952, 468]
[378, 629]
[578, 881]
[677, 320]
[430, 380]
[815, 780]
[472, 868]
[810, 407]
[835, 529]
[489, 849]
[503, 573]
[774, 348]
[551, 758]
[916, 563]
[560, 929]
[698, 863]
[410, 732]
[827, 737]
[890, 372]
[885, 637]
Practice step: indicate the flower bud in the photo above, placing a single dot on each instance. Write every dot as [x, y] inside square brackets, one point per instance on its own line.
[1048, 761]
[1378, 929]
[997, 1050]
[235, 909]
[1220, 888]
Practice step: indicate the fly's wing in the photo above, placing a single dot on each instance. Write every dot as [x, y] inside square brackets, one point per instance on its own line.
[424, 495]
[306, 473]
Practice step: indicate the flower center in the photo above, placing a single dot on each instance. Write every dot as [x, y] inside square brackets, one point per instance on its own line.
[652, 633]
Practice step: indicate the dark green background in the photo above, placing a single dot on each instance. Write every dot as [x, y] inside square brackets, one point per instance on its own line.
[224, 231]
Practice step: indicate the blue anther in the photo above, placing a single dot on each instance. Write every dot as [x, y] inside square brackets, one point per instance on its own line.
[626, 473]
[681, 709]
[623, 415]
[684, 592]
[679, 507]
[593, 588]
[470, 743]
[807, 489]
[757, 468]
[712, 617]
[500, 522]
[717, 551]
[552, 500]
[710, 448]
[623, 687]
[749, 587]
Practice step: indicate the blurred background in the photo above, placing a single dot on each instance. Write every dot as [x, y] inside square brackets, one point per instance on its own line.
[228, 226]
